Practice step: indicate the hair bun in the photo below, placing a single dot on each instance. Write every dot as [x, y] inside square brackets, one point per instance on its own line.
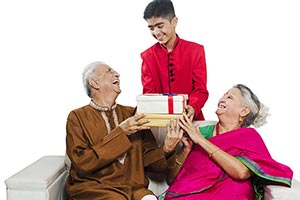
[261, 118]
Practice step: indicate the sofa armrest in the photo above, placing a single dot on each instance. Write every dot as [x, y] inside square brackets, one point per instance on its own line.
[284, 193]
[42, 180]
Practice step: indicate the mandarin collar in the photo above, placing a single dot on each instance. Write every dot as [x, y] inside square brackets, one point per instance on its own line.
[175, 43]
[94, 105]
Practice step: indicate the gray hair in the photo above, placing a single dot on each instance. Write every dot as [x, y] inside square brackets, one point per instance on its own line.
[89, 73]
[258, 111]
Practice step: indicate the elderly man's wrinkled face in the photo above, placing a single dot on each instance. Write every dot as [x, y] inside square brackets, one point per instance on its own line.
[231, 104]
[107, 79]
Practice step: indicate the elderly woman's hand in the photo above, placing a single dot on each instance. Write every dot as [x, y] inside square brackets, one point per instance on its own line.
[173, 137]
[133, 124]
[187, 125]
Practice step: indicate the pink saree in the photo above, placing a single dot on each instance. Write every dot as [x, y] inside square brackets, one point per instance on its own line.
[201, 178]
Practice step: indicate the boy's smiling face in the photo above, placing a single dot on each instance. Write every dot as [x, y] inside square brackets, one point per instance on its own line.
[163, 30]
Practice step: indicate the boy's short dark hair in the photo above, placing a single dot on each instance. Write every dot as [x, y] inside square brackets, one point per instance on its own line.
[159, 8]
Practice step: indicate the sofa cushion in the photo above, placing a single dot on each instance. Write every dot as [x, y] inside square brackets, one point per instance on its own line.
[280, 192]
[38, 175]
[160, 132]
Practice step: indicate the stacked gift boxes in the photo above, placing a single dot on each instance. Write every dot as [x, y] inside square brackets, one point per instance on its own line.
[161, 108]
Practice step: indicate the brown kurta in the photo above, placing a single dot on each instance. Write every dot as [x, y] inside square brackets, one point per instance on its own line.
[95, 172]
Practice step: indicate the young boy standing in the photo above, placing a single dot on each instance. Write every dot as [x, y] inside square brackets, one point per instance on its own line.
[173, 65]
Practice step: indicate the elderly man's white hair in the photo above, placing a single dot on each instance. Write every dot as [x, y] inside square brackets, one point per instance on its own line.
[89, 73]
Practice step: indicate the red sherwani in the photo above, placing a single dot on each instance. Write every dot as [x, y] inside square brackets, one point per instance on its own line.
[182, 71]
[95, 172]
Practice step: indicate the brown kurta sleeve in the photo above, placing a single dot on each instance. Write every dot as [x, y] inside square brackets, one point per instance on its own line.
[89, 154]
[154, 157]
[175, 163]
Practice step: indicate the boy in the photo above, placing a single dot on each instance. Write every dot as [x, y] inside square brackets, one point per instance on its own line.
[173, 65]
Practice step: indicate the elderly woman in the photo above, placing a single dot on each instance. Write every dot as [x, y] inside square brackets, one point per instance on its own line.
[228, 160]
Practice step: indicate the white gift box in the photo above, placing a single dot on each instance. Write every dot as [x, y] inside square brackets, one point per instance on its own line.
[161, 103]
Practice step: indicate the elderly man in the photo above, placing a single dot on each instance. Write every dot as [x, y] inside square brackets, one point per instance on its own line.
[108, 148]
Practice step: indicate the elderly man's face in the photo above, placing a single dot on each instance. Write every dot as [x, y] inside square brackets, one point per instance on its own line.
[107, 79]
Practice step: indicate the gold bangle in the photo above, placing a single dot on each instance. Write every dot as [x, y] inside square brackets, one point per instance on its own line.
[177, 162]
[211, 154]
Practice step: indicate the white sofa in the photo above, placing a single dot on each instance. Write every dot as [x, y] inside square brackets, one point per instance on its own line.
[45, 180]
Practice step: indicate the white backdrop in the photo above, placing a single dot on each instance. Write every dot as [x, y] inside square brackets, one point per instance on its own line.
[44, 45]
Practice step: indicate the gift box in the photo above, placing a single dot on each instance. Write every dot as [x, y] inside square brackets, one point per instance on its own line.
[161, 103]
[161, 120]
[161, 108]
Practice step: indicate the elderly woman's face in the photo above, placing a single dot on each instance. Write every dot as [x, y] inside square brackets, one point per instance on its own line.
[231, 104]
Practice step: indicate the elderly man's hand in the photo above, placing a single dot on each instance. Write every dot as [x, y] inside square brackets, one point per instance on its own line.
[187, 143]
[133, 124]
[173, 137]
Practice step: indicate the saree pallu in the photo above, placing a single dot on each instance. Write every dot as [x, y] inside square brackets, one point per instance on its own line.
[201, 178]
